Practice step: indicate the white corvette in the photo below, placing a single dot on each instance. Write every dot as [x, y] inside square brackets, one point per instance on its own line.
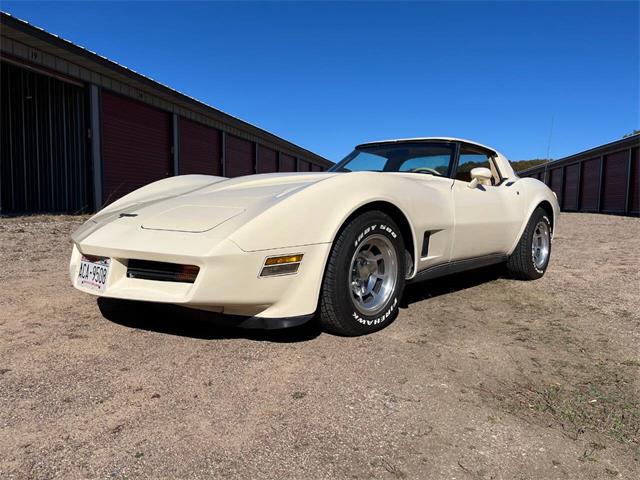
[277, 249]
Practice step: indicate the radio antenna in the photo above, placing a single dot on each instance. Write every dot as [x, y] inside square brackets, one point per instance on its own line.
[548, 148]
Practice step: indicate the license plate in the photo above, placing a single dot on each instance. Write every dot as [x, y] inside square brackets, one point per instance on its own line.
[93, 273]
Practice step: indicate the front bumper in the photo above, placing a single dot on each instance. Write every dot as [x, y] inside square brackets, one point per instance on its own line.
[228, 281]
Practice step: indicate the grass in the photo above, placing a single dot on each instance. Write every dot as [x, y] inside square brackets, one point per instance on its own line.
[605, 403]
[631, 363]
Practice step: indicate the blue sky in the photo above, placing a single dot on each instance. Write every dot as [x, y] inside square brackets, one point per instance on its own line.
[330, 75]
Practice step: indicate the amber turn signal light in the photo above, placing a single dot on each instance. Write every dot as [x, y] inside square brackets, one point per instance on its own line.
[283, 265]
[284, 259]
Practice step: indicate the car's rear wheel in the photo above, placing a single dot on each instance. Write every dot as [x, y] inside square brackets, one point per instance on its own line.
[364, 278]
[530, 259]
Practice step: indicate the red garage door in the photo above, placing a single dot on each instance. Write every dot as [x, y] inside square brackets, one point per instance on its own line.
[287, 163]
[199, 148]
[315, 168]
[239, 157]
[571, 187]
[136, 145]
[634, 188]
[267, 160]
[589, 187]
[304, 166]
[614, 182]
[555, 182]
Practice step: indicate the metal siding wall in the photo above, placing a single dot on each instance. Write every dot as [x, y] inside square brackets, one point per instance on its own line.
[151, 93]
[45, 166]
[604, 179]
[199, 148]
[267, 160]
[287, 163]
[589, 187]
[239, 157]
[571, 187]
[634, 187]
[304, 166]
[614, 182]
[555, 182]
[136, 145]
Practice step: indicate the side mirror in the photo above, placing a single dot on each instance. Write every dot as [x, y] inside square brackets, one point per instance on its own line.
[480, 176]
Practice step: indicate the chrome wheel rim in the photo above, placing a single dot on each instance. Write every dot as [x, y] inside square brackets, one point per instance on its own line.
[540, 245]
[373, 274]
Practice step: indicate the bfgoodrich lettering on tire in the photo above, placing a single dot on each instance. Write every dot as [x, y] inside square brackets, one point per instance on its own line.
[364, 278]
[530, 258]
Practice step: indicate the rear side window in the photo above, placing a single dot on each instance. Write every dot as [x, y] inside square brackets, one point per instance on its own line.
[470, 159]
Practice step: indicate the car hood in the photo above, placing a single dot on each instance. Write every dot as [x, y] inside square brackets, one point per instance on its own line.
[210, 206]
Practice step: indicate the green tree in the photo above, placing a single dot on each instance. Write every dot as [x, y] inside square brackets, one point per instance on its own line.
[519, 165]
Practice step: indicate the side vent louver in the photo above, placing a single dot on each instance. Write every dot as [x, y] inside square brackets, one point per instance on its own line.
[425, 245]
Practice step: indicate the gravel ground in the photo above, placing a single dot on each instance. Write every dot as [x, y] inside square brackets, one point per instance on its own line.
[480, 377]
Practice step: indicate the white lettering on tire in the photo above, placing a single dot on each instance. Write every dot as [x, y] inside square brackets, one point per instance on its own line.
[371, 228]
[379, 319]
[392, 306]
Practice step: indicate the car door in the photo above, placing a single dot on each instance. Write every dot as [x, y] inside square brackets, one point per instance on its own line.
[430, 165]
[487, 217]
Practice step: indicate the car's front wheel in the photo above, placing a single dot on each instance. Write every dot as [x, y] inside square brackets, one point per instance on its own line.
[364, 277]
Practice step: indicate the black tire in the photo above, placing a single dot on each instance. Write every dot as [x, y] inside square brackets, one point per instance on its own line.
[521, 263]
[338, 310]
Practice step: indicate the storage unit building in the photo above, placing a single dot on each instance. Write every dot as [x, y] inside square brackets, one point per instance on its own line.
[603, 179]
[79, 131]
[200, 150]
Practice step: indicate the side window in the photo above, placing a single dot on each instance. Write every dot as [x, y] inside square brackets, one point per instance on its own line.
[470, 159]
[434, 164]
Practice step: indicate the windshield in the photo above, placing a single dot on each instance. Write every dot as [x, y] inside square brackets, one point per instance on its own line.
[418, 157]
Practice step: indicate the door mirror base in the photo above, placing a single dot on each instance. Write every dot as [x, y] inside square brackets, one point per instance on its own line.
[480, 176]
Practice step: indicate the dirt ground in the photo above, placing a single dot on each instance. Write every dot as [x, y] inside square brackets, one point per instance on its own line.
[480, 377]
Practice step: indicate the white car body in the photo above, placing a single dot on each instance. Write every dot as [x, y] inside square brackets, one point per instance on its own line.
[228, 227]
